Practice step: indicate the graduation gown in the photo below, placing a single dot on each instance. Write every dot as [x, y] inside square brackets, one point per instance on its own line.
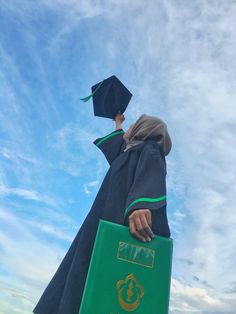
[135, 179]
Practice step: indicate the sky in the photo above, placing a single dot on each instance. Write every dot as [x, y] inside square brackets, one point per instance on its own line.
[177, 57]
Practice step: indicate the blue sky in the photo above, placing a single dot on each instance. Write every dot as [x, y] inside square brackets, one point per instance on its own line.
[178, 59]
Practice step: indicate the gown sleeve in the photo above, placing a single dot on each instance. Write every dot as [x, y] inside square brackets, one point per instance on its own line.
[111, 145]
[149, 185]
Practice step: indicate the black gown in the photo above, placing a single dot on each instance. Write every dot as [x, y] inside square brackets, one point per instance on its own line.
[135, 179]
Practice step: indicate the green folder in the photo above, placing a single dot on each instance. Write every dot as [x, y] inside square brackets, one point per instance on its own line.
[126, 275]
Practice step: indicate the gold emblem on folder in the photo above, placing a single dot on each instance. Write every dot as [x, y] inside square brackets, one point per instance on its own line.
[129, 292]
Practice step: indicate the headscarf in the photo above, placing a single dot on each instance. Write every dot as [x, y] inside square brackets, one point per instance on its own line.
[149, 128]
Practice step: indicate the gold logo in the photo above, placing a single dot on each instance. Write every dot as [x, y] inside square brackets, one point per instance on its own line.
[129, 292]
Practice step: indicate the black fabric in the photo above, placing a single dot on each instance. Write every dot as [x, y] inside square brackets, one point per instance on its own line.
[149, 184]
[112, 146]
[138, 172]
[110, 97]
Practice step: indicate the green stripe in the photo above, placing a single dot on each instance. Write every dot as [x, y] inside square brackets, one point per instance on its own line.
[146, 199]
[108, 136]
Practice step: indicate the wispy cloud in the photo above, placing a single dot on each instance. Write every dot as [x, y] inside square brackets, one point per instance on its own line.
[58, 233]
[27, 263]
[190, 299]
[13, 155]
[25, 194]
[77, 150]
[89, 185]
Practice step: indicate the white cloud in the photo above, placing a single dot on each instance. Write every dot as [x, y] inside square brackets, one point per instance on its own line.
[189, 299]
[51, 230]
[90, 184]
[28, 262]
[14, 155]
[75, 143]
[25, 194]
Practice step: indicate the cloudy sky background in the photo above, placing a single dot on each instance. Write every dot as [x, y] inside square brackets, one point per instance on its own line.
[178, 59]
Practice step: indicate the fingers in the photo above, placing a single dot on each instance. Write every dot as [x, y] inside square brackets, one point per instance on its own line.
[120, 117]
[149, 218]
[140, 228]
[134, 232]
[140, 222]
[146, 227]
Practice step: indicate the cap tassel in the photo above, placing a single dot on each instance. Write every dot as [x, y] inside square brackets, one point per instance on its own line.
[85, 99]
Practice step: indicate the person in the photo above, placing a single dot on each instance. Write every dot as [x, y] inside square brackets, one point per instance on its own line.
[133, 193]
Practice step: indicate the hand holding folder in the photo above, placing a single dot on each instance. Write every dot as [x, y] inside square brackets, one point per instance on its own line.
[140, 222]
[126, 275]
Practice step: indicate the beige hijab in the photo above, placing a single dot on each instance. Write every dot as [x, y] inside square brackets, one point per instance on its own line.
[149, 128]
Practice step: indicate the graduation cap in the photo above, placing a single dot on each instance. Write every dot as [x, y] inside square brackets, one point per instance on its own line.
[110, 96]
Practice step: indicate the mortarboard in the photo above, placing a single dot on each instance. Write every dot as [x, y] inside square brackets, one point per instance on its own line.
[110, 96]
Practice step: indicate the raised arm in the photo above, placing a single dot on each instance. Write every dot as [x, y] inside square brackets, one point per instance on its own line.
[118, 121]
[111, 144]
